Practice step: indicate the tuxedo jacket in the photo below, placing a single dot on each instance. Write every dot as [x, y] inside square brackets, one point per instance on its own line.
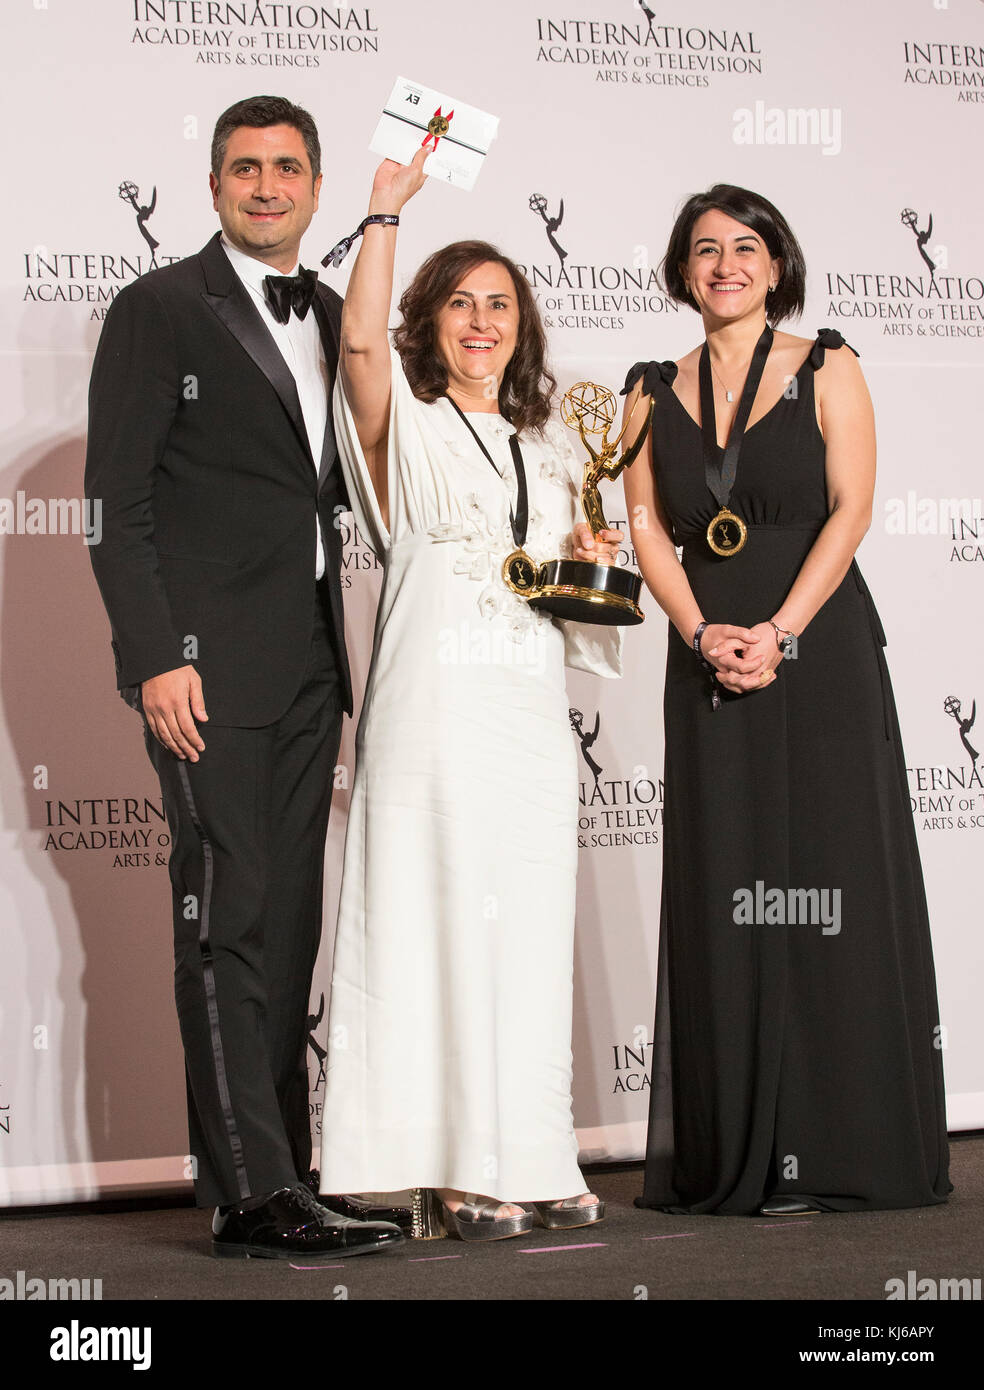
[210, 496]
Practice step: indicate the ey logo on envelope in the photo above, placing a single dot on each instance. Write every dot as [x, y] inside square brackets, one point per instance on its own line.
[458, 136]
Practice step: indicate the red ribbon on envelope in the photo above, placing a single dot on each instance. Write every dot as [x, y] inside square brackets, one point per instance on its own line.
[436, 127]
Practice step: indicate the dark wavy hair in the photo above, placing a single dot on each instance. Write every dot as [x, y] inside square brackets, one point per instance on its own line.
[260, 112]
[527, 388]
[751, 210]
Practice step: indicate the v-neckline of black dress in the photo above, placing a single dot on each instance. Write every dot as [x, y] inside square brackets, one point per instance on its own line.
[748, 429]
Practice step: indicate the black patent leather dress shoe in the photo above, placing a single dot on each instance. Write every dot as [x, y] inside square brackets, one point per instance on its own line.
[345, 1204]
[290, 1224]
[786, 1206]
[359, 1210]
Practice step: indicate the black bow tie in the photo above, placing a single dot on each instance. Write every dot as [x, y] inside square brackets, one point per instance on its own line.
[286, 292]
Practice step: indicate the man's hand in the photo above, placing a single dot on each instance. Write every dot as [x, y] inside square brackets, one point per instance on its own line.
[171, 704]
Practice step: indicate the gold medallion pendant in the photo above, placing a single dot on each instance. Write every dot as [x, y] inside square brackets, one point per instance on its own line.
[727, 533]
[520, 573]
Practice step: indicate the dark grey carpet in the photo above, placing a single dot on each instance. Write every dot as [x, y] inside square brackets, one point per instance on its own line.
[163, 1253]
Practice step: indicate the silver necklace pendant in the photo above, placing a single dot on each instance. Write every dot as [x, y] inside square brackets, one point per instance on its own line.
[729, 396]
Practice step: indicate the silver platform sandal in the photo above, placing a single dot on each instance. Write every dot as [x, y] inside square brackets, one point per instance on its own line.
[569, 1213]
[474, 1220]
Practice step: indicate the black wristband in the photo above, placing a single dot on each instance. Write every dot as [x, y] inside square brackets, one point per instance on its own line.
[341, 248]
[711, 670]
[696, 646]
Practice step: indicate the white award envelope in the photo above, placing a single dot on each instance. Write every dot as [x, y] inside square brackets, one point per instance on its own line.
[457, 135]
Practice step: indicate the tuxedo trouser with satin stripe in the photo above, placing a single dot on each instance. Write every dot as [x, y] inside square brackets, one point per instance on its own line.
[248, 823]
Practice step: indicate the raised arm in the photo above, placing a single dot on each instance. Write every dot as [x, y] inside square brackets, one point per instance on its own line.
[364, 362]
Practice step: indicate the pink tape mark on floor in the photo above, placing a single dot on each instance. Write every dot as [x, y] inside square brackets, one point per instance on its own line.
[553, 1249]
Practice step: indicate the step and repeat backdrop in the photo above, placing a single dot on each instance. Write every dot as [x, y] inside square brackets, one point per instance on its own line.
[861, 122]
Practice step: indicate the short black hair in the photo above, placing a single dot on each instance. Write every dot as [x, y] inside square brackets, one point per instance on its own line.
[751, 210]
[260, 112]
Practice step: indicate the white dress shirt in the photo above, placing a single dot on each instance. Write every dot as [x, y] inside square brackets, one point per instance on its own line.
[299, 341]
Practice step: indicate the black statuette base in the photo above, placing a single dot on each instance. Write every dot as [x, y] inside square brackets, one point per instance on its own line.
[587, 593]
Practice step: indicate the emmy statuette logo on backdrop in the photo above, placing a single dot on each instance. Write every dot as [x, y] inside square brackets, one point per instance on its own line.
[909, 219]
[951, 706]
[130, 193]
[538, 204]
[587, 740]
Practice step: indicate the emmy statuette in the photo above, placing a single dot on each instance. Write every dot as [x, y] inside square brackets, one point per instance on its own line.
[579, 589]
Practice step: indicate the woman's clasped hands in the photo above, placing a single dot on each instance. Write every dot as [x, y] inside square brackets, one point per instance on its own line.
[744, 658]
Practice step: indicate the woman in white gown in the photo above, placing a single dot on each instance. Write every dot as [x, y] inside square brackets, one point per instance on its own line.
[449, 1066]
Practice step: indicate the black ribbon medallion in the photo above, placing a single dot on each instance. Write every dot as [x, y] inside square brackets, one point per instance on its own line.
[727, 532]
[520, 572]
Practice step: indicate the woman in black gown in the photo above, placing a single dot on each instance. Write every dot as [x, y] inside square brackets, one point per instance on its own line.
[796, 1061]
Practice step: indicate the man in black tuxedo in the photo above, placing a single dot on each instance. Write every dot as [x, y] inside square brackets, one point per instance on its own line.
[212, 450]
